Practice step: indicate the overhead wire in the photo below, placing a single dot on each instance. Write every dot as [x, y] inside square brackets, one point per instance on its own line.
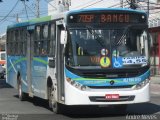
[93, 4]
[152, 18]
[152, 3]
[10, 11]
[83, 4]
[30, 9]
[25, 9]
[21, 12]
[50, 4]
[118, 4]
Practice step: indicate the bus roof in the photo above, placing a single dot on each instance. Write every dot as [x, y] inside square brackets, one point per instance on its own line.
[30, 22]
[105, 9]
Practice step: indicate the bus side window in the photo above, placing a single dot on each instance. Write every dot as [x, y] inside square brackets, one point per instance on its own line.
[12, 42]
[52, 41]
[37, 40]
[44, 39]
[8, 42]
[24, 42]
[19, 42]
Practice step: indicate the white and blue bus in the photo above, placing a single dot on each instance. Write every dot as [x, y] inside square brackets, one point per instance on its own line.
[83, 57]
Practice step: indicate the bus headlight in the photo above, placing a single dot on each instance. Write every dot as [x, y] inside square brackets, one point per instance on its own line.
[141, 84]
[76, 84]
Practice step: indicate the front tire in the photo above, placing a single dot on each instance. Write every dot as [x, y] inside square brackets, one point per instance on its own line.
[53, 104]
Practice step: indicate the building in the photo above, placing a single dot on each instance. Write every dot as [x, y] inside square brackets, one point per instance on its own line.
[154, 29]
[2, 42]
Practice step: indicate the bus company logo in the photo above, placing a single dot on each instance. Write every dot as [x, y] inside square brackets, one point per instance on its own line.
[112, 82]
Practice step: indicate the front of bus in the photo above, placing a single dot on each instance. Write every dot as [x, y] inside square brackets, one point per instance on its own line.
[106, 57]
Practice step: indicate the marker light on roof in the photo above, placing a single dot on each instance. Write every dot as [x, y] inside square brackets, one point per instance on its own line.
[71, 17]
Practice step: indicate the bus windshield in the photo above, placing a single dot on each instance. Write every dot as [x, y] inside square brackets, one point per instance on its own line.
[107, 48]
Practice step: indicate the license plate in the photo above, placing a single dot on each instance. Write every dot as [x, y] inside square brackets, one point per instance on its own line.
[112, 96]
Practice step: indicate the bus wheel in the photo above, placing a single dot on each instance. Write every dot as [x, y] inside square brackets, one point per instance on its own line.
[53, 104]
[21, 94]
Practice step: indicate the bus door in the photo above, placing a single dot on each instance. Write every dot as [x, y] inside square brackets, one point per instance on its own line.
[29, 56]
[59, 62]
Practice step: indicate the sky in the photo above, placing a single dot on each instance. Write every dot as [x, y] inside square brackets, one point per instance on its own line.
[7, 5]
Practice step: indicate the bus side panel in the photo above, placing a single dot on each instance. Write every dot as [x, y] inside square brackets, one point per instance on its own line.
[39, 73]
[16, 64]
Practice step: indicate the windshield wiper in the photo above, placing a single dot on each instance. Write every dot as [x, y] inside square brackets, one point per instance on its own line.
[119, 42]
[122, 38]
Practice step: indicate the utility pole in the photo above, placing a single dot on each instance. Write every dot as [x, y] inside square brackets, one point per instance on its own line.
[121, 3]
[133, 4]
[37, 9]
[66, 4]
[17, 18]
[148, 8]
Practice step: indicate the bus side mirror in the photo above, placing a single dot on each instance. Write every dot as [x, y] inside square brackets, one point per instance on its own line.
[52, 63]
[63, 38]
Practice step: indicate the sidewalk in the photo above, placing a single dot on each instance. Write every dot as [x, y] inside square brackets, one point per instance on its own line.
[155, 85]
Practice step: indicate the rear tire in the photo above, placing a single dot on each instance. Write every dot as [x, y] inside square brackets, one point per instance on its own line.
[53, 104]
[57, 107]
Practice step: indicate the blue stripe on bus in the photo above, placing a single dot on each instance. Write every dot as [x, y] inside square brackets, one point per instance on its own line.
[106, 82]
[17, 64]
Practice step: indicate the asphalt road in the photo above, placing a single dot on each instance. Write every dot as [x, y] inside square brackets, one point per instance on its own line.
[37, 109]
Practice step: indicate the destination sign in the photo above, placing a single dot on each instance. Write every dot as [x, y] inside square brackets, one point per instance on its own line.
[107, 18]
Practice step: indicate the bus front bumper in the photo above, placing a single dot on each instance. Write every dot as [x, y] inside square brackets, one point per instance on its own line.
[74, 96]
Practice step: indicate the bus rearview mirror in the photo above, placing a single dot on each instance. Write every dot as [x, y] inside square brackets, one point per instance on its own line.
[63, 37]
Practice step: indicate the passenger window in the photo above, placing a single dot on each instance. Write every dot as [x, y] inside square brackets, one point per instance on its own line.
[45, 31]
[52, 40]
[38, 28]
